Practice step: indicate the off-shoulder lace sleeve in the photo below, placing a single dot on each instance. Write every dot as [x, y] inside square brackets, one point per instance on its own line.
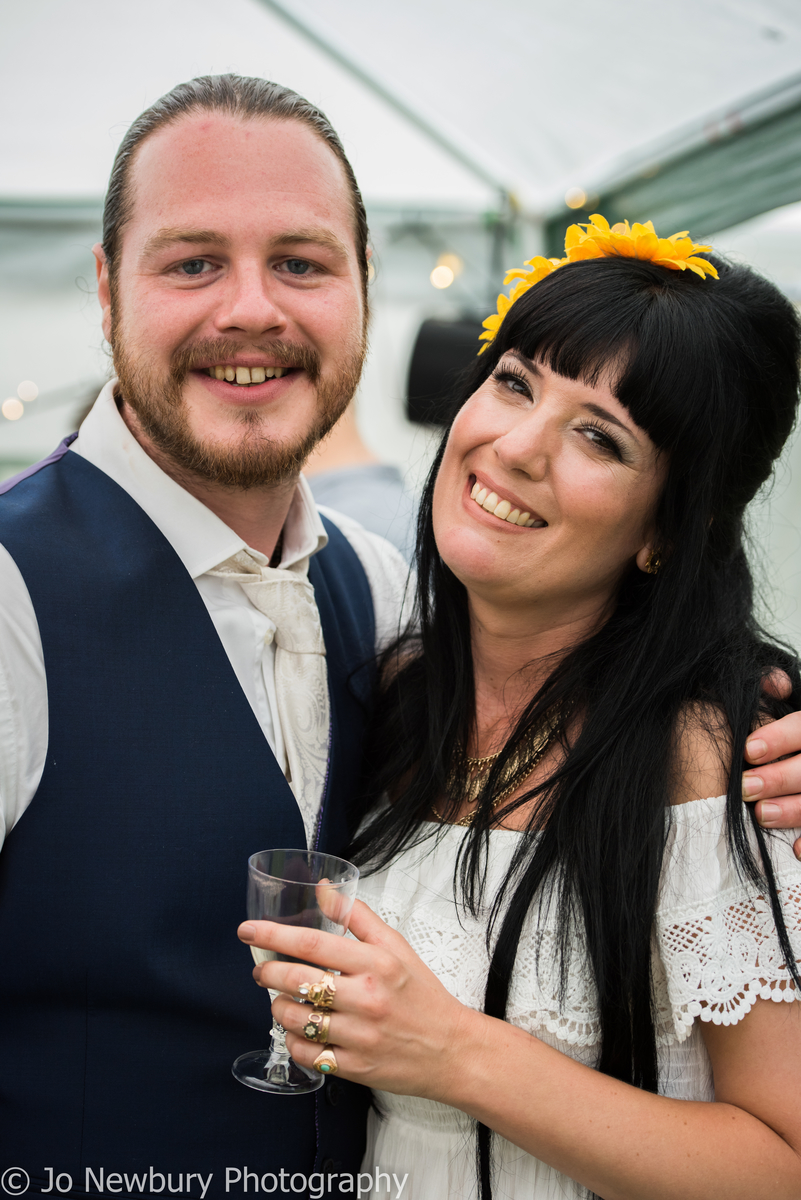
[718, 952]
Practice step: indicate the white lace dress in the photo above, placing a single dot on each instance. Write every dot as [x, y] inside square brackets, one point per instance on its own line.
[715, 954]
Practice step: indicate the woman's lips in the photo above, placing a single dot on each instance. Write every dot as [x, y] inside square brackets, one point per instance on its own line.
[504, 510]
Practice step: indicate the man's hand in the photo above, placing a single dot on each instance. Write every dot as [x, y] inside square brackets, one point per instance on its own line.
[776, 786]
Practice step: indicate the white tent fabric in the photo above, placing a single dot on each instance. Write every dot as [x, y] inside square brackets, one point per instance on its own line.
[544, 95]
[553, 95]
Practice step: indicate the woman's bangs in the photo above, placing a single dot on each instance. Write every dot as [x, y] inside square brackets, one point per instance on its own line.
[621, 323]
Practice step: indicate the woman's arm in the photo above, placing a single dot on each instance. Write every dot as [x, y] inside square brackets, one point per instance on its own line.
[395, 1027]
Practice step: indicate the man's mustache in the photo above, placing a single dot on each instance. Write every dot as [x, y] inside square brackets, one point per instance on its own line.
[223, 350]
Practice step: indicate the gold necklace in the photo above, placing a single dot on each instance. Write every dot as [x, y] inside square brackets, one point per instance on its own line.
[522, 762]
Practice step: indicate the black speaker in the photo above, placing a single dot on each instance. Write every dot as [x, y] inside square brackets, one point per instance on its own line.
[443, 351]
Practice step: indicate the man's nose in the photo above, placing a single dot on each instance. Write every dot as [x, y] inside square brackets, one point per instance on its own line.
[250, 303]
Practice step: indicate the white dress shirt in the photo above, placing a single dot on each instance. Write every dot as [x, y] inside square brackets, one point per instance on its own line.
[202, 541]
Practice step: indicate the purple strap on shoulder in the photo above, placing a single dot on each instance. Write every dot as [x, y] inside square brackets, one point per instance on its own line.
[59, 452]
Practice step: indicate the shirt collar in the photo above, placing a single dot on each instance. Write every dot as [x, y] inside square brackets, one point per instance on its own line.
[200, 539]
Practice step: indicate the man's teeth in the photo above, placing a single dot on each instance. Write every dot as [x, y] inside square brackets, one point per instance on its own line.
[491, 503]
[246, 375]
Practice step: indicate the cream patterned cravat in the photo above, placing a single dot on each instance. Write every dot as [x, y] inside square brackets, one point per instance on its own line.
[286, 597]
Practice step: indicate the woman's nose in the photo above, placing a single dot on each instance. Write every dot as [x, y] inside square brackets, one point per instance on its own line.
[527, 446]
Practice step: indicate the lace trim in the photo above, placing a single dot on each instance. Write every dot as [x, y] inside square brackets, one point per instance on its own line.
[719, 963]
[712, 961]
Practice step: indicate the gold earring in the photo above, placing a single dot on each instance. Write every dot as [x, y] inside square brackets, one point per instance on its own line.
[653, 563]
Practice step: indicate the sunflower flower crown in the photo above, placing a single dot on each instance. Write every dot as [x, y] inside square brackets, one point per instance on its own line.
[598, 240]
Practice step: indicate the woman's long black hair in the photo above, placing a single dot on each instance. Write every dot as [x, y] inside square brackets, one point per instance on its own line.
[709, 369]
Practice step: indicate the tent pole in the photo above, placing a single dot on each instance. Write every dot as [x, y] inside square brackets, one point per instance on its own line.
[409, 114]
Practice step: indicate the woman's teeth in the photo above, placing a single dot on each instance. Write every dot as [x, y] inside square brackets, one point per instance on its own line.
[491, 503]
[246, 375]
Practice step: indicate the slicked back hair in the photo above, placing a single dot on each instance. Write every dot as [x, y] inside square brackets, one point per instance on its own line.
[235, 96]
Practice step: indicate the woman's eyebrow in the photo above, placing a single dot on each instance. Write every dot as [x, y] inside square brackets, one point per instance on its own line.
[528, 363]
[605, 415]
[596, 409]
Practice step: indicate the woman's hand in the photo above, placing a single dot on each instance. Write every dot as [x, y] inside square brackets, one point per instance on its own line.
[393, 1024]
[395, 1027]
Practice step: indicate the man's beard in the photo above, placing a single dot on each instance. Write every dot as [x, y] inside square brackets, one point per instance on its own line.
[254, 459]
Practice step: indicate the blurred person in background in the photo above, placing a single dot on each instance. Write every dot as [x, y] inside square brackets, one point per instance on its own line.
[345, 475]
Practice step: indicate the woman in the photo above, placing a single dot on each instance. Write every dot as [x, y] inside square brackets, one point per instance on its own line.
[593, 935]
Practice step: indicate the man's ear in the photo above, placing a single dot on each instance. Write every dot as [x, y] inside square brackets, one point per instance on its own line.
[103, 288]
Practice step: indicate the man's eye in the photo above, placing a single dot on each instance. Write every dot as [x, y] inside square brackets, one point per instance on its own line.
[194, 266]
[297, 266]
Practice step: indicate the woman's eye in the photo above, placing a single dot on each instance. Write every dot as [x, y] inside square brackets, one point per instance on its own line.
[600, 438]
[514, 381]
[194, 266]
[297, 266]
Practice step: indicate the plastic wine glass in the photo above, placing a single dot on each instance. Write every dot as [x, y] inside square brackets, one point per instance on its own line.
[306, 889]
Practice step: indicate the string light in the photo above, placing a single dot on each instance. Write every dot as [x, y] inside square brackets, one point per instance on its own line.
[27, 390]
[575, 197]
[442, 277]
[448, 267]
[12, 408]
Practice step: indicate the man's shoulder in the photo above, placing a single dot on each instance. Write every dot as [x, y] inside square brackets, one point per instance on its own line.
[388, 574]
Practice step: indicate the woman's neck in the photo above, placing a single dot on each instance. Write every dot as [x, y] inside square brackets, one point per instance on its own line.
[512, 658]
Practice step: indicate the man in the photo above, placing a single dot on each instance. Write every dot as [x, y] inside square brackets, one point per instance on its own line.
[184, 678]
[163, 664]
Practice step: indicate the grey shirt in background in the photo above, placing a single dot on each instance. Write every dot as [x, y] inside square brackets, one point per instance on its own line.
[375, 496]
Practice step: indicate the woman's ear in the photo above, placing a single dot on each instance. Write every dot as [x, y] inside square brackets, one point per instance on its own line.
[647, 559]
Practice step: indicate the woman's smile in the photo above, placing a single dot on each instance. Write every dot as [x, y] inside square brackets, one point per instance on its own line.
[560, 465]
[499, 504]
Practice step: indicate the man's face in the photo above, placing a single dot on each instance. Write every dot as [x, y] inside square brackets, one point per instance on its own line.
[239, 259]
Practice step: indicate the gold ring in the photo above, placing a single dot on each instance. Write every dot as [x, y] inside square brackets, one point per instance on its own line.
[316, 1028]
[326, 1062]
[321, 994]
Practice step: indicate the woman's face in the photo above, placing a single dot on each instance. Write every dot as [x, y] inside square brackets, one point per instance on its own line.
[530, 441]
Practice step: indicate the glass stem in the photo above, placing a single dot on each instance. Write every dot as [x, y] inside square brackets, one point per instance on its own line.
[278, 1035]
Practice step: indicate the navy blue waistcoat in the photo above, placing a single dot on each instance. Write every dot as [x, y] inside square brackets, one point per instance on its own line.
[124, 993]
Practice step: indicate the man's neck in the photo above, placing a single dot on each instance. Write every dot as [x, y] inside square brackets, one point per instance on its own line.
[256, 514]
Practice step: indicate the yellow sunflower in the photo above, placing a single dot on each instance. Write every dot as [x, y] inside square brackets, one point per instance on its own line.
[598, 240]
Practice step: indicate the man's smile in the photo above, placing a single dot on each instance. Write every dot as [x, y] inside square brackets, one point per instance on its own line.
[246, 375]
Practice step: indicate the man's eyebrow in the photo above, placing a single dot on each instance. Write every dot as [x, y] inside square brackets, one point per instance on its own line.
[165, 238]
[311, 236]
[194, 237]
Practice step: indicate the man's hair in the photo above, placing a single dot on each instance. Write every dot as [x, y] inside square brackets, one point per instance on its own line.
[236, 96]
